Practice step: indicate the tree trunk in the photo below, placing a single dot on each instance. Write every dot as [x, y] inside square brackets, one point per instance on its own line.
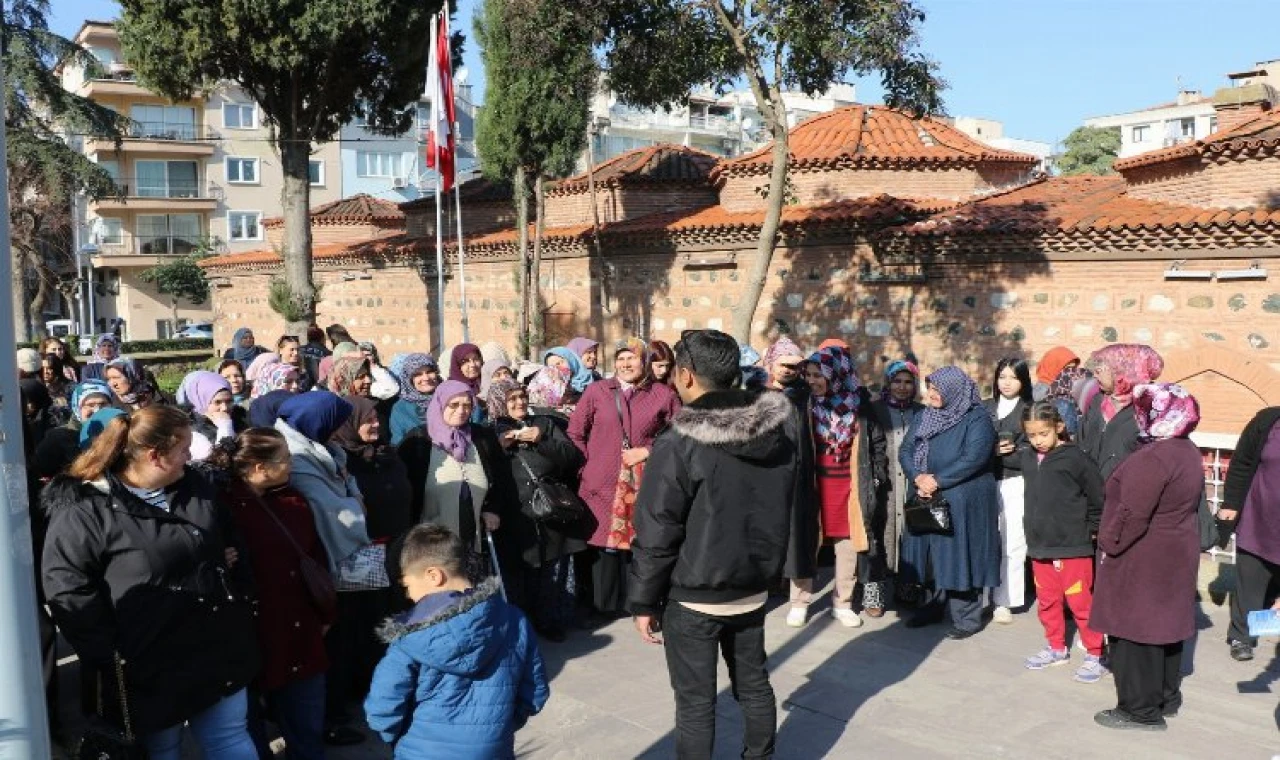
[44, 291]
[536, 330]
[744, 313]
[522, 226]
[295, 199]
[21, 325]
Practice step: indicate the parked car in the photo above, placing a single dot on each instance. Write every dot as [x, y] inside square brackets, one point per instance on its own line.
[196, 330]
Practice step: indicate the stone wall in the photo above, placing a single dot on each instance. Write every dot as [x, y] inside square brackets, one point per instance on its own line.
[420, 221]
[1220, 183]
[618, 202]
[331, 234]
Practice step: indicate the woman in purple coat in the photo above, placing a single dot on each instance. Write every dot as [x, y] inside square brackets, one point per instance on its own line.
[613, 425]
[1148, 553]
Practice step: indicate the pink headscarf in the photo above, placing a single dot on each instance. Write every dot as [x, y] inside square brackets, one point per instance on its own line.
[1164, 410]
[1131, 365]
[255, 368]
[453, 440]
[783, 346]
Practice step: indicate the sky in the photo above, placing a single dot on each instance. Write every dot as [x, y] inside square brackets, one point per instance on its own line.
[1039, 66]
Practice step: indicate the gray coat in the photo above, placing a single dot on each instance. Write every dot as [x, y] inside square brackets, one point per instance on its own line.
[895, 423]
[320, 475]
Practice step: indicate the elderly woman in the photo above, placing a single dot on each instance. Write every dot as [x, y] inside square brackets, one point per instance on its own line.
[895, 411]
[588, 352]
[1108, 431]
[419, 377]
[851, 466]
[209, 397]
[537, 450]
[1144, 595]
[1251, 508]
[105, 349]
[614, 424]
[947, 454]
[130, 384]
[466, 366]
[61, 445]
[352, 376]
[244, 348]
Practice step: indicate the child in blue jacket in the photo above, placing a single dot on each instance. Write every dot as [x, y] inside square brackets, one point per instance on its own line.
[462, 671]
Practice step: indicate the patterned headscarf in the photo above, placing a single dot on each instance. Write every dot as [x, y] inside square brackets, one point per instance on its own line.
[579, 376]
[835, 415]
[140, 390]
[104, 340]
[781, 347]
[456, 357]
[1164, 410]
[410, 365]
[345, 371]
[497, 399]
[959, 395]
[85, 390]
[896, 366]
[260, 363]
[1068, 383]
[1131, 365]
[453, 440]
[273, 378]
[548, 387]
[487, 371]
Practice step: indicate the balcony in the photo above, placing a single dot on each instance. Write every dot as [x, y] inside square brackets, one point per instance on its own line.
[160, 137]
[149, 194]
[141, 251]
[677, 121]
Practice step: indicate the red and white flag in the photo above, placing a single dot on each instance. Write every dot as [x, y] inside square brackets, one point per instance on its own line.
[440, 137]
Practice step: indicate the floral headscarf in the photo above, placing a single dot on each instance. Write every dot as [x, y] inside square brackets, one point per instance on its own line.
[959, 395]
[103, 340]
[260, 363]
[273, 378]
[835, 415]
[781, 347]
[1164, 410]
[548, 388]
[411, 365]
[890, 372]
[579, 376]
[345, 371]
[1131, 365]
[497, 399]
[453, 440]
[140, 390]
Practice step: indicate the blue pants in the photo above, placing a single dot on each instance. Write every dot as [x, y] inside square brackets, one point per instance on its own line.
[298, 710]
[221, 731]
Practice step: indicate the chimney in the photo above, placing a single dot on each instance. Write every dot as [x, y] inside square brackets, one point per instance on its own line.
[1237, 105]
[1188, 97]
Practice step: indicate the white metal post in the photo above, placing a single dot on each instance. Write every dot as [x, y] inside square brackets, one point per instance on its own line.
[462, 252]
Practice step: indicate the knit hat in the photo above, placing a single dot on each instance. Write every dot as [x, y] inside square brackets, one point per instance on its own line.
[29, 360]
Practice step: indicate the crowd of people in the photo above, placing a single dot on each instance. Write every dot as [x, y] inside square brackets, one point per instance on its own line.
[248, 536]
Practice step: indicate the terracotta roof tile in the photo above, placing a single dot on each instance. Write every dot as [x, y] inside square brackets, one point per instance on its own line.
[1261, 133]
[873, 135]
[358, 209]
[476, 190]
[655, 163]
[882, 209]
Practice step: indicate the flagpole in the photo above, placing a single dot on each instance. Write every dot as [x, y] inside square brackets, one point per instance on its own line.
[462, 255]
[433, 140]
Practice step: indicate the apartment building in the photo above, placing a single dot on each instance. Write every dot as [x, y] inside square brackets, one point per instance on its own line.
[991, 132]
[1187, 118]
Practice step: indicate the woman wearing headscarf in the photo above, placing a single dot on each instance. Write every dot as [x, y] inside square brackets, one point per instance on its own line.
[580, 376]
[1066, 393]
[276, 377]
[259, 364]
[895, 411]
[61, 445]
[466, 366]
[536, 449]
[105, 349]
[419, 377]
[208, 395]
[588, 352]
[493, 370]
[613, 425]
[851, 466]
[351, 376]
[243, 347]
[130, 384]
[308, 422]
[784, 361]
[385, 386]
[265, 410]
[1108, 431]
[947, 454]
[1050, 366]
[1144, 595]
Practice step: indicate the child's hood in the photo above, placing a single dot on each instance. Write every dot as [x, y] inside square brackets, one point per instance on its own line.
[461, 638]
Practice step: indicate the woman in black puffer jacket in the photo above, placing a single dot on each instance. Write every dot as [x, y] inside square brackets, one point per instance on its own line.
[139, 563]
[535, 445]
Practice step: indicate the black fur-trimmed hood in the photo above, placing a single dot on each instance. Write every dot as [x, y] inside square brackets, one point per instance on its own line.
[747, 424]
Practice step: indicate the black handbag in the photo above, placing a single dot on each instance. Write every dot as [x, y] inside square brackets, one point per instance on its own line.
[924, 516]
[104, 741]
[550, 501]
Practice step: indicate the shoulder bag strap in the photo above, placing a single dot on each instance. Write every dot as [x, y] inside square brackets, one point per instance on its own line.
[529, 471]
[124, 698]
[622, 423]
[280, 524]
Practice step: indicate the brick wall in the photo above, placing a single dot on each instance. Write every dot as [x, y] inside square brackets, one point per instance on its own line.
[1230, 117]
[1223, 183]
[331, 234]
[478, 218]
[810, 188]
[616, 203]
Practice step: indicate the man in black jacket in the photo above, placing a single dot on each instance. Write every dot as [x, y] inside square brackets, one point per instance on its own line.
[712, 522]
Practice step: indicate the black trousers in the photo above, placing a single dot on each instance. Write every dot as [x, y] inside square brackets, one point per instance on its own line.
[354, 651]
[963, 608]
[1148, 678]
[692, 641]
[1256, 583]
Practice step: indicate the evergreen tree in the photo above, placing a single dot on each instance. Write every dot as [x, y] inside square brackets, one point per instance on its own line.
[1090, 150]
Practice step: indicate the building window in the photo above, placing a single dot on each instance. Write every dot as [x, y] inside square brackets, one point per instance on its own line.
[163, 122]
[110, 231]
[242, 171]
[315, 173]
[1139, 133]
[169, 233]
[370, 164]
[239, 115]
[165, 179]
[244, 225]
[1187, 127]
[164, 329]
[1213, 124]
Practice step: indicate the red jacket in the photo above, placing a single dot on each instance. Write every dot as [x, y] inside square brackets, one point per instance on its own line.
[289, 628]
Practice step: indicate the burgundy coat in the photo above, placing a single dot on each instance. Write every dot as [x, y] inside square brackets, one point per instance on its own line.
[289, 628]
[1149, 545]
[594, 428]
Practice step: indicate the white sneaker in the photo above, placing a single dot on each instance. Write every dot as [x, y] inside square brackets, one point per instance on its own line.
[796, 617]
[1002, 615]
[847, 618]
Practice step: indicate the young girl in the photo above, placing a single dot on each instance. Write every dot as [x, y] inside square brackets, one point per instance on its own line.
[1010, 396]
[1064, 496]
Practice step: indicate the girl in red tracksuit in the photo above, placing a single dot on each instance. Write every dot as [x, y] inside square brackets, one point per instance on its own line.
[1064, 497]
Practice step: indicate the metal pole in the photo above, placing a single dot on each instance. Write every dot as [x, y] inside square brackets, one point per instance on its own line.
[24, 727]
[439, 263]
[462, 254]
[82, 317]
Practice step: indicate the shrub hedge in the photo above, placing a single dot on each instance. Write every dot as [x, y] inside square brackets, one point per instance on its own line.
[140, 346]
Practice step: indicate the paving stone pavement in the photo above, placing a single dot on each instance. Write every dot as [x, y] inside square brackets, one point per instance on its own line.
[887, 691]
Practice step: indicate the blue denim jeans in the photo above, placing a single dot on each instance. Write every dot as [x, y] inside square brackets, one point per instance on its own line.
[221, 731]
[298, 710]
